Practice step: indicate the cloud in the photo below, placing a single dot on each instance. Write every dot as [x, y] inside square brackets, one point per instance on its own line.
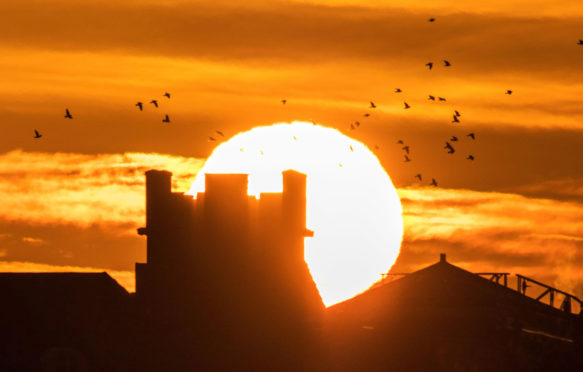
[487, 231]
[77, 189]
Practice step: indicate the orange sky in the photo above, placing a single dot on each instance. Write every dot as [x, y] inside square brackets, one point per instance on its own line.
[75, 197]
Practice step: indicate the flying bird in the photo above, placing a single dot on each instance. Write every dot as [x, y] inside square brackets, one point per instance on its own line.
[357, 123]
[446, 63]
[166, 119]
[580, 42]
[450, 149]
[455, 119]
[453, 138]
[351, 126]
[398, 90]
[376, 147]
[472, 136]
[407, 159]
[432, 98]
[154, 102]
[441, 99]
[406, 148]
[457, 113]
[407, 105]
[140, 105]
[37, 134]
[167, 95]
[68, 114]
[219, 133]
[284, 101]
[431, 19]
[372, 105]
[418, 176]
[470, 157]
[400, 142]
[429, 64]
[366, 115]
[509, 92]
[211, 139]
[433, 182]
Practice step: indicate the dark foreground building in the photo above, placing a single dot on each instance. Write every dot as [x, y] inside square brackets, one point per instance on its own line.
[225, 287]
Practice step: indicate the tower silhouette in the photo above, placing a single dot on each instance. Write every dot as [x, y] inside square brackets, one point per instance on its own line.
[226, 272]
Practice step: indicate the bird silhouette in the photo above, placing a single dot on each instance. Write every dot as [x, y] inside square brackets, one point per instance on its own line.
[446, 63]
[166, 119]
[450, 149]
[37, 134]
[453, 138]
[284, 101]
[167, 95]
[219, 133]
[351, 149]
[372, 105]
[433, 182]
[429, 64]
[211, 139]
[407, 105]
[400, 142]
[154, 102]
[455, 119]
[376, 147]
[398, 90]
[366, 115]
[68, 114]
[470, 157]
[407, 159]
[431, 19]
[140, 105]
[357, 123]
[432, 98]
[418, 176]
[441, 99]
[580, 42]
[457, 113]
[509, 92]
[351, 126]
[472, 136]
[406, 148]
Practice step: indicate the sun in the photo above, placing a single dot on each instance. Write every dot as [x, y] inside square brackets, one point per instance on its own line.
[352, 205]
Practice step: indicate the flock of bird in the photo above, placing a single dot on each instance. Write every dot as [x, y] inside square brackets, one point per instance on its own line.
[353, 126]
[139, 105]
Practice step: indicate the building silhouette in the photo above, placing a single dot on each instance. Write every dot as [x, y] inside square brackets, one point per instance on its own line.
[225, 287]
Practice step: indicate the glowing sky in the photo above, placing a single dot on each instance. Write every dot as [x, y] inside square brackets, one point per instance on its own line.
[75, 196]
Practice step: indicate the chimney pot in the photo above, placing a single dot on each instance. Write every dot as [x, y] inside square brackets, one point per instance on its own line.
[442, 257]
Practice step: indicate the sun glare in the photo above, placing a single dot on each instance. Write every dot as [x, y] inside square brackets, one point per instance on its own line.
[352, 205]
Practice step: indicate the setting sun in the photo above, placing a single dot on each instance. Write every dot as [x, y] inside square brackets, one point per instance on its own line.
[352, 205]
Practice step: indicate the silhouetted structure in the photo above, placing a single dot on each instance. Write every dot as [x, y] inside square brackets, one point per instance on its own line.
[225, 287]
[230, 268]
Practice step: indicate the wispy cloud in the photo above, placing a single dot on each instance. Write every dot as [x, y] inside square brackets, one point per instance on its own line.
[487, 231]
[79, 189]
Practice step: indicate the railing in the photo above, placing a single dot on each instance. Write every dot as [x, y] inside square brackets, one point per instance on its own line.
[495, 277]
[522, 283]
